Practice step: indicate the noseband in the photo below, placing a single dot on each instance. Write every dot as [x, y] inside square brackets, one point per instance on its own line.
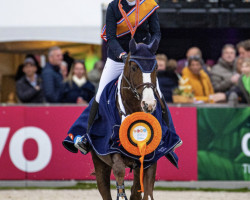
[132, 87]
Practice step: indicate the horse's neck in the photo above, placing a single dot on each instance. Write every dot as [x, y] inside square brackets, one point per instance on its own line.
[130, 103]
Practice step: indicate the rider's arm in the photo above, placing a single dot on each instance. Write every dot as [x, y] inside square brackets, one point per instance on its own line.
[154, 27]
[111, 33]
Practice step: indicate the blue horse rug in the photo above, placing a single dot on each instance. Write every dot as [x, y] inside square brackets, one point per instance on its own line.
[104, 134]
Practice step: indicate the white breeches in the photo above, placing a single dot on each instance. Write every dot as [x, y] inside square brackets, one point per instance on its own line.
[112, 70]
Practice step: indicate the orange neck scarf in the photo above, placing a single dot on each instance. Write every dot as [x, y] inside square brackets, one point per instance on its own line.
[124, 15]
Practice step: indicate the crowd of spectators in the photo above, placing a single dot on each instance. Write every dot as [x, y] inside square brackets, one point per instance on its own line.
[61, 80]
[228, 79]
[65, 80]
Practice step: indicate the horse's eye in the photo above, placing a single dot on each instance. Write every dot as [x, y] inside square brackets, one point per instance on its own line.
[134, 68]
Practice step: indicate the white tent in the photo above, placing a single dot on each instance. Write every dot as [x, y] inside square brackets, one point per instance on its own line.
[51, 20]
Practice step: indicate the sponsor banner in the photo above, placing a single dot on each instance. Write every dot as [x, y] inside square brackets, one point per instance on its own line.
[33, 148]
[31, 145]
[185, 122]
[224, 143]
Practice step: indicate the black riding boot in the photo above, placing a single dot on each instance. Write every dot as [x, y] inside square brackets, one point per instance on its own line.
[82, 143]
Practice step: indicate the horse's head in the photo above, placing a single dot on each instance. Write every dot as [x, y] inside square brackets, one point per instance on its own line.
[140, 74]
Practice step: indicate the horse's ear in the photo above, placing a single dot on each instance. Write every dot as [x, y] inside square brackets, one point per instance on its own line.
[153, 46]
[132, 46]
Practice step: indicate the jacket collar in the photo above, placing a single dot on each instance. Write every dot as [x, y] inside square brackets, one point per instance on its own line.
[225, 64]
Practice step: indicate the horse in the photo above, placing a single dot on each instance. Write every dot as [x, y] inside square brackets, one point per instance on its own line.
[137, 91]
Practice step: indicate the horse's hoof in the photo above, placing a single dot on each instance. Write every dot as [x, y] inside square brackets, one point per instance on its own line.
[121, 196]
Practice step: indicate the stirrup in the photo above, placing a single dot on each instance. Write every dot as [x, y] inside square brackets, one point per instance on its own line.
[81, 144]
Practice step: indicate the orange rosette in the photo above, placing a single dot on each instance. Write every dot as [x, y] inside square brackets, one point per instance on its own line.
[137, 128]
[140, 134]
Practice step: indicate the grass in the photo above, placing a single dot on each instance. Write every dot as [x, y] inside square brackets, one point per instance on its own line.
[88, 186]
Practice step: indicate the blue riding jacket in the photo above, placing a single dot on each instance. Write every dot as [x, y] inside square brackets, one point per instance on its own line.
[145, 33]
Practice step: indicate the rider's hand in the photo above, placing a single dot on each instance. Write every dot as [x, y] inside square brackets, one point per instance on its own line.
[123, 56]
[37, 87]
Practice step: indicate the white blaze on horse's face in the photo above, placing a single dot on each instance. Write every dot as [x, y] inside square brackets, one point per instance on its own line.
[148, 103]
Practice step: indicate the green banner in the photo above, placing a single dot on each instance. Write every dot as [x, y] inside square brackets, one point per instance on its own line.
[224, 143]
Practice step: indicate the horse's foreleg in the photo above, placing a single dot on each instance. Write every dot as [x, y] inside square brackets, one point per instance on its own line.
[102, 171]
[135, 195]
[149, 181]
[119, 173]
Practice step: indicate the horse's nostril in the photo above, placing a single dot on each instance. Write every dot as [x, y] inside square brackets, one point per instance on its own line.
[148, 107]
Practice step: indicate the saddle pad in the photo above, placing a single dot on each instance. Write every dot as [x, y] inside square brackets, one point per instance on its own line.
[104, 134]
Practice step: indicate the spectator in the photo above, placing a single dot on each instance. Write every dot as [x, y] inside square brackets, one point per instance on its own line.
[29, 87]
[191, 52]
[243, 48]
[223, 74]
[52, 78]
[95, 74]
[166, 75]
[77, 88]
[20, 73]
[91, 58]
[198, 79]
[64, 69]
[162, 60]
[242, 89]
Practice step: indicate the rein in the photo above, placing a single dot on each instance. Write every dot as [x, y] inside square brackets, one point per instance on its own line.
[134, 89]
[137, 94]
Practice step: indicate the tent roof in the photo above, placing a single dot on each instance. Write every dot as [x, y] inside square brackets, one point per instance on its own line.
[51, 20]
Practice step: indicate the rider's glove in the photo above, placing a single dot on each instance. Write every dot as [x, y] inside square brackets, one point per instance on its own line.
[123, 56]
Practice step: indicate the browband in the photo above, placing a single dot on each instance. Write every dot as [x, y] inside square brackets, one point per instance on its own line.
[142, 57]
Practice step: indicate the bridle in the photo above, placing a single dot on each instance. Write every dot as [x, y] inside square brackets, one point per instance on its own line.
[122, 104]
[134, 89]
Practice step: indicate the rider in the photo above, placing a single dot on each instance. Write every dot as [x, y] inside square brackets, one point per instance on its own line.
[139, 21]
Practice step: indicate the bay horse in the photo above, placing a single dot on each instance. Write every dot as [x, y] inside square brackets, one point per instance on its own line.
[137, 91]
